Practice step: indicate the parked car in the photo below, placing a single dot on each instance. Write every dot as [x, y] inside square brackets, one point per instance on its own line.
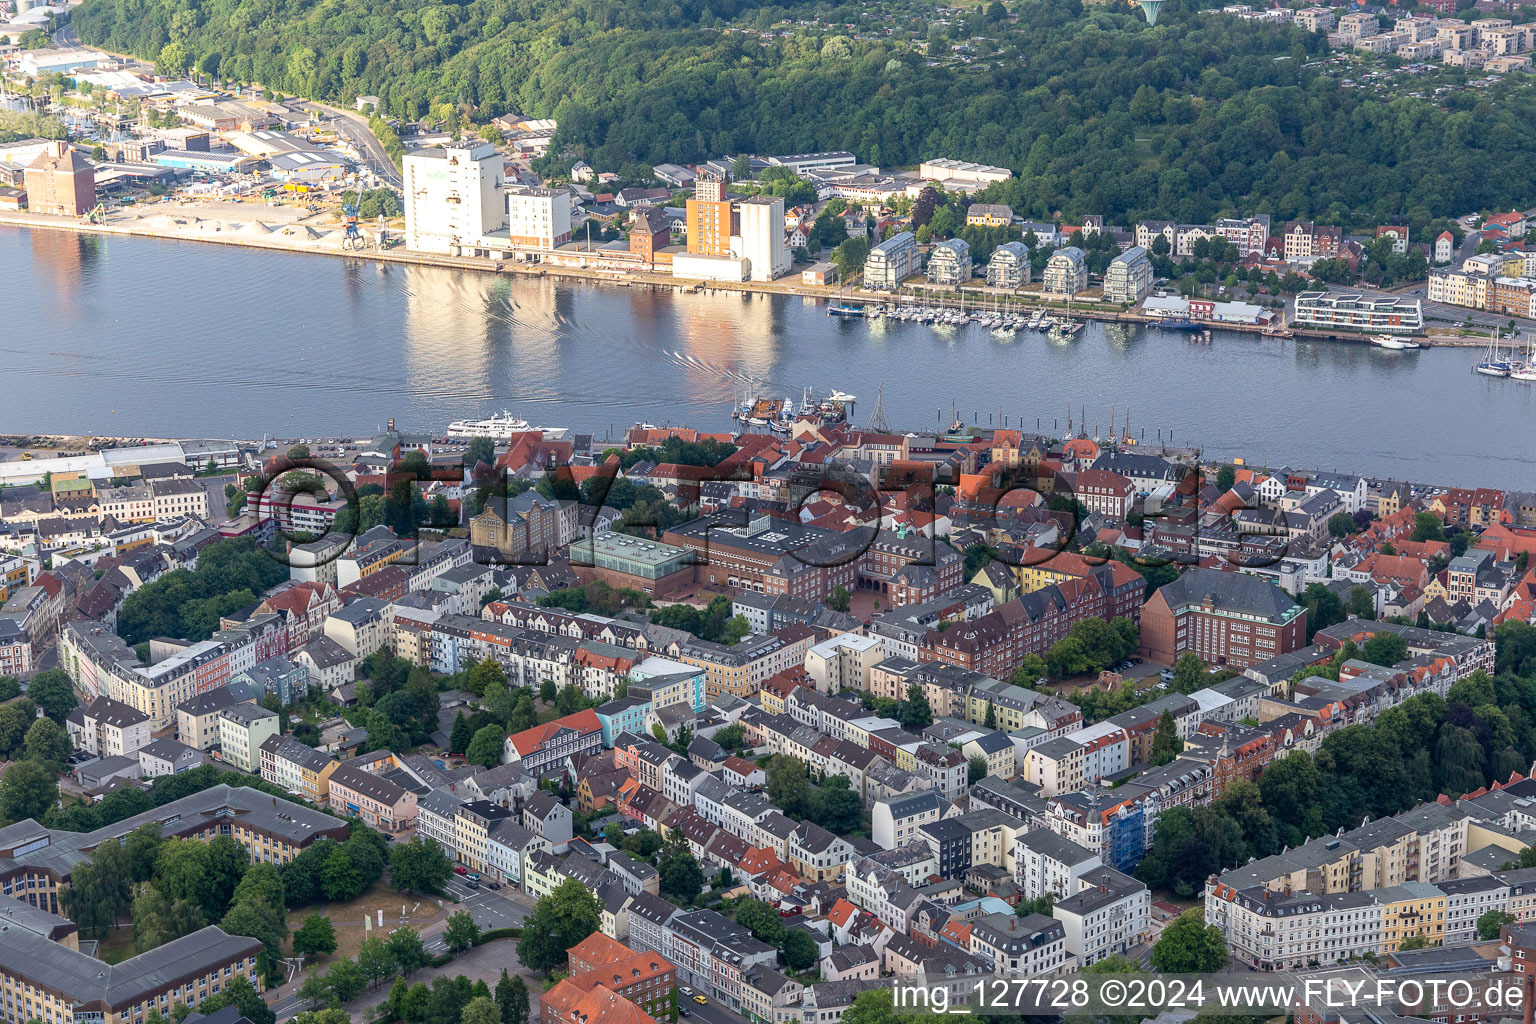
[1166, 675]
[685, 990]
[460, 869]
[493, 885]
[682, 1011]
[700, 1000]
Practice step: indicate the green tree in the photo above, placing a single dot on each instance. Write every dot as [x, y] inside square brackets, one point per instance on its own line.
[976, 770]
[761, 919]
[874, 1006]
[54, 693]
[512, 998]
[681, 877]
[315, 990]
[1190, 946]
[48, 744]
[462, 932]
[487, 746]
[315, 936]
[1490, 923]
[1165, 741]
[346, 980]
[915, 712]
[407, 950]
[481, 1010]
[1341, 525]
[1385, 649]
[341, 880]
[100, 889]
[559, 921]
[839, 601]
[835, 806]
[799, 950]
[1362, 602]
[1189, 673]
[1427, 526]
[460, 735]
[419, 866]
[28, 790]
[788, 783]
[241, 993]
[374, 958]
[156, 920]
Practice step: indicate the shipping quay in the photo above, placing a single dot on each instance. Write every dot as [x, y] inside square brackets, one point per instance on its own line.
[297, 238]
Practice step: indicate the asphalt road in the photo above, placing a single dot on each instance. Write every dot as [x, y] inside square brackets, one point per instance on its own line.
[489, 908]
[710, 1013]
[354, 128]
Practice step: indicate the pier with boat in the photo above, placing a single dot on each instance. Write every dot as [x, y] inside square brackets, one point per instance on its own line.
[1496, 362]
[759, 410]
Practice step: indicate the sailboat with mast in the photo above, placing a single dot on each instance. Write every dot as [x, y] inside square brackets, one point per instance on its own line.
[1526, 371]
[1494, 364]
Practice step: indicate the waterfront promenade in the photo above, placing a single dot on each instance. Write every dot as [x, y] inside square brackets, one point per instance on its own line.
[287, 229]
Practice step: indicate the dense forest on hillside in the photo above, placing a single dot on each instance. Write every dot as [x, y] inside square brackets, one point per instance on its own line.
[1096, 112]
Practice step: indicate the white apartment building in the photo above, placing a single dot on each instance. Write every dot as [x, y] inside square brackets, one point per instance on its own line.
[1020, 946]
[108, 728]
[1129, 276]
[243, 728]
[891, 262]
[895, 822]
[1044, 862]
[949, 263]
[1065, 273]
[453, 198]
[538, 218]
[1273, 931]
[1110, 914]
[762, 236]
[1467, 899]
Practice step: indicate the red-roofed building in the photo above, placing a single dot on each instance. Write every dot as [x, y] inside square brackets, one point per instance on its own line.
[759, 860]
[1402, 570]
[303, 609]
[645, 979]
[544, 749]
[775, 690]
[529, 449]
[958, 932]
[738, 771]
[1466, 506]
[586, 1002]
[1104, 492]
[1080, 451]
[1506, 542]
[594, 951]
[842, 913]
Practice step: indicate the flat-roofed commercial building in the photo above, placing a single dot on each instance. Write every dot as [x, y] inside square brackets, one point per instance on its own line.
[621, 560]
[1354, 312]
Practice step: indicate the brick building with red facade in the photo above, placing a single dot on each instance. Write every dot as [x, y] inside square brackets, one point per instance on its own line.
[1225, 618]
[996, 643]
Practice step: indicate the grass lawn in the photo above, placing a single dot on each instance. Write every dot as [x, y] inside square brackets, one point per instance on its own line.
[348, 917]
[118, 945]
